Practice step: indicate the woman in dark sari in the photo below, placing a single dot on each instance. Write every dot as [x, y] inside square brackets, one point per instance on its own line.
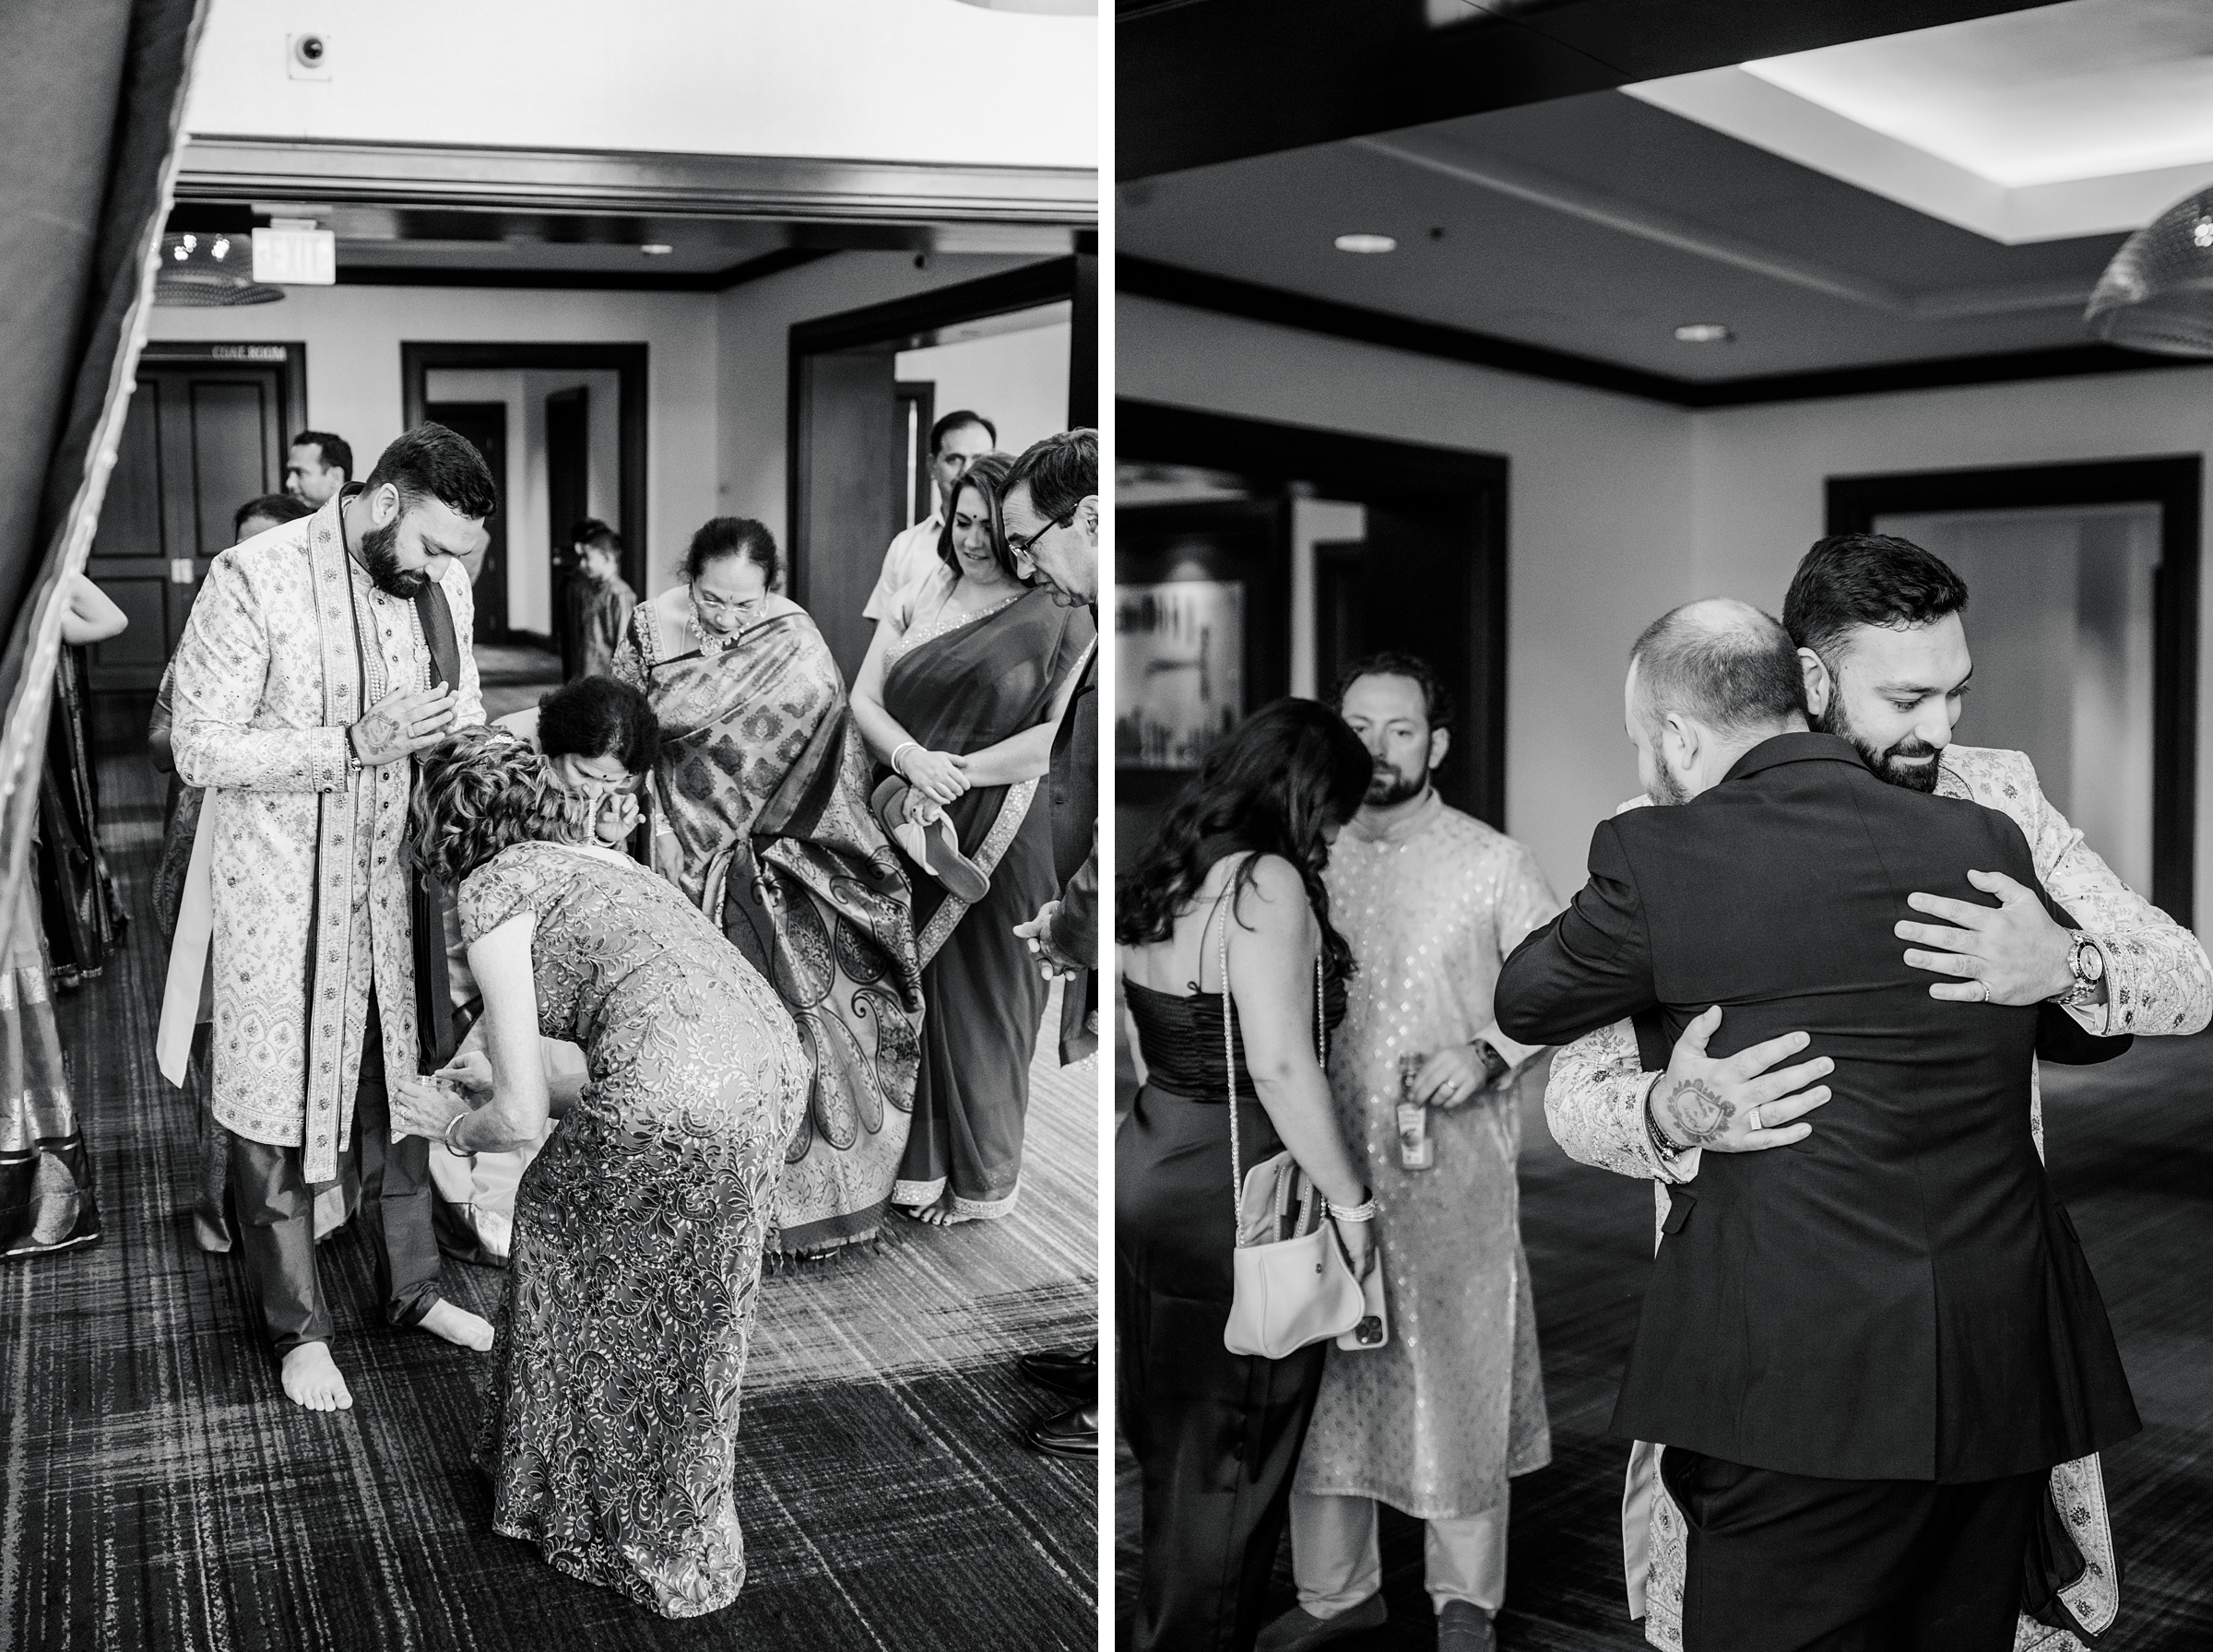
[960, 694]
[761, 816]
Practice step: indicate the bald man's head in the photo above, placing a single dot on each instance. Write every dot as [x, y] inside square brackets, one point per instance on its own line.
[1723, 663]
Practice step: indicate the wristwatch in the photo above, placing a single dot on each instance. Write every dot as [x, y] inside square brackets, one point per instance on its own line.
[2085, 962]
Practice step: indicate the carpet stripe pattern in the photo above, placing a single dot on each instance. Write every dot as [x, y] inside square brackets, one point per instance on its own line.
[157, 1490]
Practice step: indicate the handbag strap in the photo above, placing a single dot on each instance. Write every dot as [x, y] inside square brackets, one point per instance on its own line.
[1230, 1052]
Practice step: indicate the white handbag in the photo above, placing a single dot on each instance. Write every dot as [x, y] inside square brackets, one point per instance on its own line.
[1289, 1291]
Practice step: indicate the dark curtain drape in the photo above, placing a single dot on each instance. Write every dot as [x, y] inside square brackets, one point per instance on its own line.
[92, 102]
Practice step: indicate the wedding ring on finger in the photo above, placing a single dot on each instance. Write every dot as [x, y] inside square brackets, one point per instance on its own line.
[1754, 1117]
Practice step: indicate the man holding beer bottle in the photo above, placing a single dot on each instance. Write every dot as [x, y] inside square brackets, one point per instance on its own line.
[1437, 1420]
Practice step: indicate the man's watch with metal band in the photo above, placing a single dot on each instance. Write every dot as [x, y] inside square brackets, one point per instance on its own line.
[2085, 962]
[1669, 1154]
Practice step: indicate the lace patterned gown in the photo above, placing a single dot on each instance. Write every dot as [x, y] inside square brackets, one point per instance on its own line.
[610, 1424]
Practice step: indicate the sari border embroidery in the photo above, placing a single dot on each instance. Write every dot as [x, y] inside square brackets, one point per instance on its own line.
[1014, 809]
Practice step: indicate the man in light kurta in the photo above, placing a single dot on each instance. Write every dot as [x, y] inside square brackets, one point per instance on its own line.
[1871, 613]
[1436, 1420]
[320, 656]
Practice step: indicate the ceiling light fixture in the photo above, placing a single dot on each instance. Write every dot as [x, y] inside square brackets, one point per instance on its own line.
[1367, 243]
[1705, 332]
[656, 249]
[2157, 294]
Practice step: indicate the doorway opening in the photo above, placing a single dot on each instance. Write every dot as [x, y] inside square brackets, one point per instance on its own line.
[2083, 618]
[207, 432]
[563, 428]
[865, 387]
[1256, 559]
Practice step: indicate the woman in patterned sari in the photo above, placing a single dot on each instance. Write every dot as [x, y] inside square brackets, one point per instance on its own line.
[760, 806]
[960, 694]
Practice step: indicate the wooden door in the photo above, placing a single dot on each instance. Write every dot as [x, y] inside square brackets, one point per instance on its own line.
[568, 492]
[483, 425]
[852, 492]
[1411, 586]
[201, 439]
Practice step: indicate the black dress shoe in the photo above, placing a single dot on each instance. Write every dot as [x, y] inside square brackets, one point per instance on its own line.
[1067, 1433]
[1071, 1371]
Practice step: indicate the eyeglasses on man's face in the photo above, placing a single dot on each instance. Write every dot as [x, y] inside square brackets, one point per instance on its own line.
[1025, 560]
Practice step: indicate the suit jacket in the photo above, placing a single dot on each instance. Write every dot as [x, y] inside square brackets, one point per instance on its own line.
[1901, 1295]
[1074, 780]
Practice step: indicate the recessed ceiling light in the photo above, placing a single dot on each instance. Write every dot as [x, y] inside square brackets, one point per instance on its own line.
[656, 249]
[1367, 243]
[1705, 332]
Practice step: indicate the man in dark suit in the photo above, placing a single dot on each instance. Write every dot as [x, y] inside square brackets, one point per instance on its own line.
[1052, 515]
[1864, 1352]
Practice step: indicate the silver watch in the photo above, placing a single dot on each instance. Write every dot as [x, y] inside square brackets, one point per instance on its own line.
[2085, 962]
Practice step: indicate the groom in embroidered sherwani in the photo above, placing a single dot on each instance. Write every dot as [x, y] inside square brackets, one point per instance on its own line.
[320, 656]
[1872, 617]
[1436, 1420]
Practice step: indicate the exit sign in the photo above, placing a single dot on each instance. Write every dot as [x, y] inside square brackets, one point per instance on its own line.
[296, 258]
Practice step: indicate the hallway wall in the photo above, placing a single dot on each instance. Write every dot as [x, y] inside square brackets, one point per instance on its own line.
[353, 335]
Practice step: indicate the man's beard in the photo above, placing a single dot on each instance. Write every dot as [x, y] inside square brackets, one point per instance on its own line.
[1914, 776]
[381, 560]
[1667, 787]
[1389, 786]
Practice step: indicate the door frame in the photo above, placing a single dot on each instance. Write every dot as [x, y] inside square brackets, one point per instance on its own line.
[211, 352]
[898, 320]
[631, 365]
[1340, 465]
[2175, 483]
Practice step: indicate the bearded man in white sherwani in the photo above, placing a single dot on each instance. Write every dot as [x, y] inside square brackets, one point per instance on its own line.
[320, 657]
[1877, 622]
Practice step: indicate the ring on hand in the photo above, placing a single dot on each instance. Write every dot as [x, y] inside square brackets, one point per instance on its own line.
[1985, 986]
[1752, 1118]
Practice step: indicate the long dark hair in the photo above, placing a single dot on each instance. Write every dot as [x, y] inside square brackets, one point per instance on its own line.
[1269, 786]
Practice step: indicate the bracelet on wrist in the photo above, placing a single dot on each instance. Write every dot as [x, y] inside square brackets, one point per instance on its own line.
[1363, 1211]
[896, 750]
[453, 1144]
[1663, 1143]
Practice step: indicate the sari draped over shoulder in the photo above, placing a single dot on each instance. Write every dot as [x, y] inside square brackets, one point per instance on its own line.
[962, 688]
[763, 779]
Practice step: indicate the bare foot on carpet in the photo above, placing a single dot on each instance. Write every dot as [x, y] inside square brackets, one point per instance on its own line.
[312, 1379]
[939, 1215]
[457, 1324]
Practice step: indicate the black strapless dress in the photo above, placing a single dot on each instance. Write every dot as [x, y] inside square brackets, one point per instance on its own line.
[1216, 1434]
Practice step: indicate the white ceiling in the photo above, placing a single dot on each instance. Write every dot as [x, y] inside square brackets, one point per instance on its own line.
[2085, 118]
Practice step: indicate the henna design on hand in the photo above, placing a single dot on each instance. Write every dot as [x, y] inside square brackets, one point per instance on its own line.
[1697, 1112]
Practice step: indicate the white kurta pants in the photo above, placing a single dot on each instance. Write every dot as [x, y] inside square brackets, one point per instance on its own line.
[1337, 1564]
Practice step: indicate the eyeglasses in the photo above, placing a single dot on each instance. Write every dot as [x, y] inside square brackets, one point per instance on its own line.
[1020, 549]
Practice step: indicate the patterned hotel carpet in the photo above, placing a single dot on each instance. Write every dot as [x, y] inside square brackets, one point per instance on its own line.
[2132, 1155]
[157, 1490]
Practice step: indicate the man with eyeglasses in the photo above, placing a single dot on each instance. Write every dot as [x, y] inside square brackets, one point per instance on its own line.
[1051, 510]
[956, 441]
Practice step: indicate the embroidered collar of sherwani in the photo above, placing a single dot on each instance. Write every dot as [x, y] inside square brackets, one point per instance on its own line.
[289, 643]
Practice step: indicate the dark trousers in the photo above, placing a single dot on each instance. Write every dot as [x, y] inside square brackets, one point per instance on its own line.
[1216, 1434]
[277, 1220]
[1784, 1563]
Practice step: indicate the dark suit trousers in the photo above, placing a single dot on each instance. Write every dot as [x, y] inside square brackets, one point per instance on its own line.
[1216, 1434]
[276, 1216]
[1785, 1562]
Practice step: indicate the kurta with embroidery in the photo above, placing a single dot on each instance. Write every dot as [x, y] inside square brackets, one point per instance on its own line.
[289, 643]
[1436, 1421]
[2157, 981]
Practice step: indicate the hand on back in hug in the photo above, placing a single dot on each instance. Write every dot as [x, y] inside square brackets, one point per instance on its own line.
[1733, 1103]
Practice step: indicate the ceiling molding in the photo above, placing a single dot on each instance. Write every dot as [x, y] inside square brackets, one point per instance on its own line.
[794, 190]
[1214, 80]
[1663, 229]
[579, 280]
[1143, 277]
